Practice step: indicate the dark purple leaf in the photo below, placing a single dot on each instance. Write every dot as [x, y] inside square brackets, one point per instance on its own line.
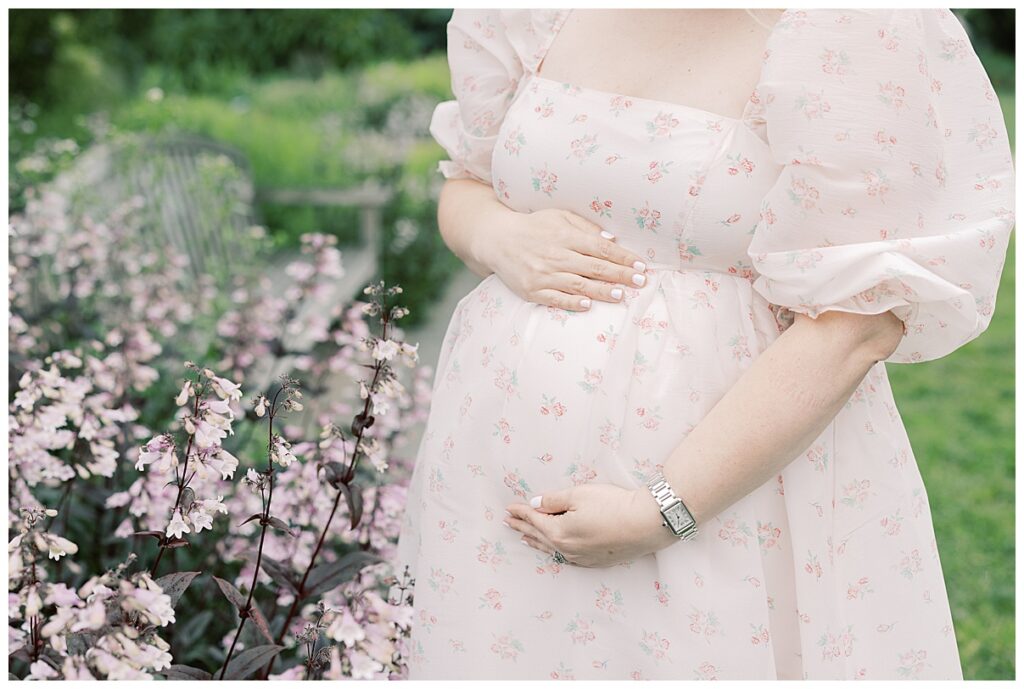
[333, 472]
[361, 421]
[330, 575]
[258, 515]
[250, 660]
[176, 543]
[280, 573]
[174, 585]
[186, 673]
[155, 534]
[188, 496]
[354, 499]
[231, 593]
[280, 526]
[238, 600]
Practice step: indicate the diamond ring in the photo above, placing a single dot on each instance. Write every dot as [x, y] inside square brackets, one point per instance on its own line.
[559, 558]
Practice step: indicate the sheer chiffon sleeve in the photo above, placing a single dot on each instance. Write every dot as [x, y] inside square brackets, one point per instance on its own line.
[485, 70]
[896, 191]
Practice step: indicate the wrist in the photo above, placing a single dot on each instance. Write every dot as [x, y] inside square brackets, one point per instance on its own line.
[651, 520]
[487, 241]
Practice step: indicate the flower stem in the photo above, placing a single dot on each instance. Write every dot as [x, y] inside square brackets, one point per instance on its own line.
[349, 474]
[182, 484]
[264, 523]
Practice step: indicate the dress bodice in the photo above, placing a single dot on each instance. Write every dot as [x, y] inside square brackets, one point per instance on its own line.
[678, 185]
[870, 172]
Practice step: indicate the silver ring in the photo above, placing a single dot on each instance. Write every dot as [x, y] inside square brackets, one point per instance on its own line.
[559, 558]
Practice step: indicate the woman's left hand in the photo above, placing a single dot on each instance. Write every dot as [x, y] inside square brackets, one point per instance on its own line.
[593, 525]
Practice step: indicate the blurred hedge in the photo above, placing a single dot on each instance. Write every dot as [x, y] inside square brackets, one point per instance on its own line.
[49, 46]
[196, 43]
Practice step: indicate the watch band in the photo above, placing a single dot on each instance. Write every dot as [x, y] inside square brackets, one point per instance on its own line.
[675, 516]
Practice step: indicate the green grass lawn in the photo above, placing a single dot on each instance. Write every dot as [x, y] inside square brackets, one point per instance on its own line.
[959, 413]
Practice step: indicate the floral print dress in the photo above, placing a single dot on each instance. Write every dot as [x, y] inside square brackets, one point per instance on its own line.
[870, 171]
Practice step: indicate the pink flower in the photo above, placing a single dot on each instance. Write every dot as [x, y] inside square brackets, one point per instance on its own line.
[225, 389]
[159, 452]
[182, 397]
[177, 526]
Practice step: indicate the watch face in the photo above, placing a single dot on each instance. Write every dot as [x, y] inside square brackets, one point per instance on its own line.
[678, 518]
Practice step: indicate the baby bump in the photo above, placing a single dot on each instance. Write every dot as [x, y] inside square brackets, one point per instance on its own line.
[537, 398]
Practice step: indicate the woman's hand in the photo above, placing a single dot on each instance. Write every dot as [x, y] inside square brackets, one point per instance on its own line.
[557, 258]
[593, 525]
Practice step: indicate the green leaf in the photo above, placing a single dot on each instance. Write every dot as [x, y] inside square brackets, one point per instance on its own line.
[192, 629]
[174, 584]
[250, 660]
[21, 654]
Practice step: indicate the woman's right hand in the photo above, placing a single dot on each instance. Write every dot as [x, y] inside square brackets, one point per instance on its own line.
[557, 258]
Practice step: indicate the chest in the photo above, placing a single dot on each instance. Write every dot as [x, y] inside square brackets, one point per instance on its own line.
[678, 185]
[703, 58]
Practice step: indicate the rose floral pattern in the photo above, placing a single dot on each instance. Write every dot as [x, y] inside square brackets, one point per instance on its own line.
[869, 171]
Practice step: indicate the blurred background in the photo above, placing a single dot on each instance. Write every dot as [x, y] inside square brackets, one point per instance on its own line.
[320, 121]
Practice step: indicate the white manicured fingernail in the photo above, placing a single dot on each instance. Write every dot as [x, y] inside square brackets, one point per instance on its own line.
[616, 293]
[508, 513]
[607, 235]
[585, 303]
[639, 279]
[535, 501]
[639, 265]
[523, 541]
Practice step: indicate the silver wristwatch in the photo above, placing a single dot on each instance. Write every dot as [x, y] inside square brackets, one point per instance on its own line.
[674, 513]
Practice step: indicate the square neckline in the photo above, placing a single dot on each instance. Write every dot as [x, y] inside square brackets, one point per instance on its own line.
[534, 74]
[660, 104]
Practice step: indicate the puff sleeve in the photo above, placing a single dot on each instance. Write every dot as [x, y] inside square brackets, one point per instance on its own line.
[896, 184]
[485, 73]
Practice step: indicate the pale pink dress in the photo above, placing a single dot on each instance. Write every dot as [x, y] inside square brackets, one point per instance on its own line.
[870, 171]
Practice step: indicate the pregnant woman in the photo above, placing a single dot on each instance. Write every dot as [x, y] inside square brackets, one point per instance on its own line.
[662, 442]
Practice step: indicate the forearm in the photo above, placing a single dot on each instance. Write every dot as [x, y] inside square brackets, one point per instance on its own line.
[467, 212]
[774, 411]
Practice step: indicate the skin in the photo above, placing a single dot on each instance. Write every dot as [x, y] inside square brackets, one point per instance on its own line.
[781, 404]
[552, 256]
[709, 59]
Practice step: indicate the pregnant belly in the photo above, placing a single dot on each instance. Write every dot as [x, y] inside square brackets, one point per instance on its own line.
[543, 398]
